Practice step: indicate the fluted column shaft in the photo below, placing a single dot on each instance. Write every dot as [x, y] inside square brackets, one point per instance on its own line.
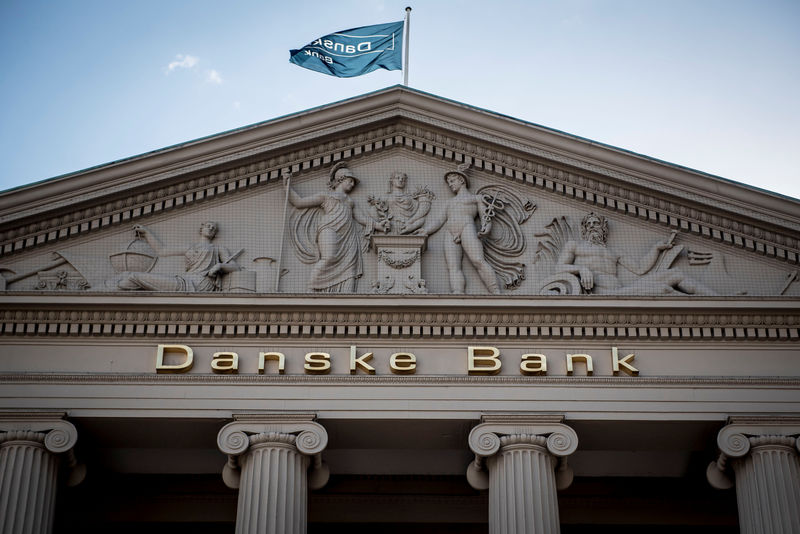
[273, 489]
[526, 460]
[763, 451]
[268, 461]
[28, 474]
[30, 449]
[768, 486]
[522, 487]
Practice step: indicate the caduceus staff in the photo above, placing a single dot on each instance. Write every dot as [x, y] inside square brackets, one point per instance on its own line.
[489, 213]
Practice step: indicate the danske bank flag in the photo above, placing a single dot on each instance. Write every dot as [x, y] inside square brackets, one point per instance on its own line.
[354, 52]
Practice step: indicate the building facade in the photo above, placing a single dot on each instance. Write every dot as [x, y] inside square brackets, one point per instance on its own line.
[398, 312]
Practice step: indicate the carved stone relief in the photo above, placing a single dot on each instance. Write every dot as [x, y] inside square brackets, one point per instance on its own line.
[327, 232]
[400, 247]
[402, 212]
[58, 274]
[488, 247]
[585, 264]
[612, 189]
[207, 266]
[389, 235]
[61, 280]
[504, 213]
[399, 259]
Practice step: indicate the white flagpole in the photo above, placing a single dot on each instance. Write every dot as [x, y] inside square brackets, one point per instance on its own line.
[405, 42]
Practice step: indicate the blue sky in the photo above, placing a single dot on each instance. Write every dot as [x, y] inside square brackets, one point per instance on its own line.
[711, 85]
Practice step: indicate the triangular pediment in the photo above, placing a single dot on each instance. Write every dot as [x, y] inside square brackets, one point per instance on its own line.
[520, 226]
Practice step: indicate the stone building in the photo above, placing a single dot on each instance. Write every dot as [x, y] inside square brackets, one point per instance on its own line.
[398, 313]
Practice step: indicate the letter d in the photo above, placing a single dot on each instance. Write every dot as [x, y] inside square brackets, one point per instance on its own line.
[178, 368]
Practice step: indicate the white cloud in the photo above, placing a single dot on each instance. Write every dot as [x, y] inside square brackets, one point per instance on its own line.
[213, 77]
[182, 62]
[237, 105]
[189, 62]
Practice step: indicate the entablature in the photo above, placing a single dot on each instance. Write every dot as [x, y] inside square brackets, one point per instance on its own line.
[717, 319]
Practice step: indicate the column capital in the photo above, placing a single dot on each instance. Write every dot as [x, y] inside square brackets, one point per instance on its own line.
[59, 435]
[763, 454]
[734, 440]
[311, 437]
[298, 430]
[521, 430]
[484, 439]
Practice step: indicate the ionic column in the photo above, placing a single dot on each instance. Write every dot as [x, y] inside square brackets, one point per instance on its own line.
[268, 461]
[763, 453]
[30, 448]
[526, 461]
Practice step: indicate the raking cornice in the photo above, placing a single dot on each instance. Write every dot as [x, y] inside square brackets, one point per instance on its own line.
[586, 188]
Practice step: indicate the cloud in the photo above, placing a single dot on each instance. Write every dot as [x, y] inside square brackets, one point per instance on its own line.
[182, 62]
[213, 76]
[189, 62]
[237, 105]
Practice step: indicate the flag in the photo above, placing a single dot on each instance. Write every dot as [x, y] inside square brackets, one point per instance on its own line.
[354, 52]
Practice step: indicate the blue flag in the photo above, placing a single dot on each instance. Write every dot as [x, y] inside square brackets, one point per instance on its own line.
[354, 52]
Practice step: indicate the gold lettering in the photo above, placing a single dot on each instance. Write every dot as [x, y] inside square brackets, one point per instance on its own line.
[403, 363]
[264, 356]
[318, 363]
[225, 362]
[616, 362]
[483, 360]
[187, 354]
[361, 361]
[533, 364]
[585, 357]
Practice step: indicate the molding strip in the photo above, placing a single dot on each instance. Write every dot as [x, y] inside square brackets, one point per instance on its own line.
[555, 324]
[595, 381]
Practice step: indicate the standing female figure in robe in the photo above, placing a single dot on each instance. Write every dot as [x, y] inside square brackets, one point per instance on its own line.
[326, 233]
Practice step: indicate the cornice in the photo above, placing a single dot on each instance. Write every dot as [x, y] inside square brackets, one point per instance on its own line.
[737, 224]
[633, 197]
[428, 302]
[606, 157]
[433, 317]
[393, 380]
[394, 100]
[582, 160]
[176, 188]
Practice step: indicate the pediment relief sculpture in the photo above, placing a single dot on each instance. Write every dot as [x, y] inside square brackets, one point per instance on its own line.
[400, 246]
[488, 246]
[206, 263]
[404, 225]
[58, 274]
[327, 231]
[585, 264]
[403, 212]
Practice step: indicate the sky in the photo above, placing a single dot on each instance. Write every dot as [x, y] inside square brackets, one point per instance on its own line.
[713, 85]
